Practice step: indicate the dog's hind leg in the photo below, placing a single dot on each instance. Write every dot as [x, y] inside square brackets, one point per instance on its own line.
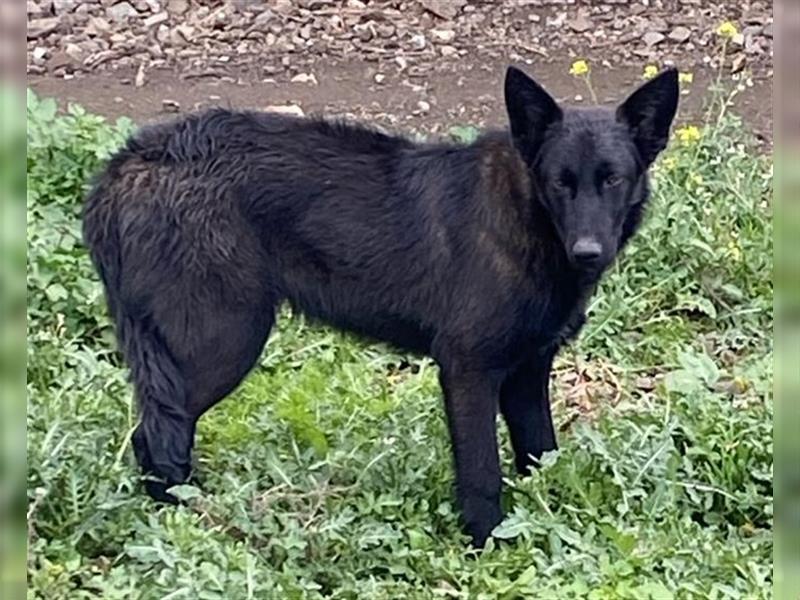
[162, 441]
[180, 369]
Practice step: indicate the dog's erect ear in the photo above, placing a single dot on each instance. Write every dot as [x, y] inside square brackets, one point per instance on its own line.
[530, 111]
[649, 112]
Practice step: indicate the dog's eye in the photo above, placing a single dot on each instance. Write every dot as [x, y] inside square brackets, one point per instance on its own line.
[612, 181]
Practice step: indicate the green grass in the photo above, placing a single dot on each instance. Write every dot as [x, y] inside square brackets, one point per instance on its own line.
[328, 473]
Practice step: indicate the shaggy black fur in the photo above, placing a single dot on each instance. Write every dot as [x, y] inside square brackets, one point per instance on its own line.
[481, 255]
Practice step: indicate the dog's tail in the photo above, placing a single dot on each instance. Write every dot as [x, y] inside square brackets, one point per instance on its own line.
[163, 438]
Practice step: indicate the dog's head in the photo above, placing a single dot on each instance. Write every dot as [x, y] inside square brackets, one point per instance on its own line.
[589, 166]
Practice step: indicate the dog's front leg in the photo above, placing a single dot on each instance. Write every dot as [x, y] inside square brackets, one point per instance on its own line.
[525, 404]
[471, 400]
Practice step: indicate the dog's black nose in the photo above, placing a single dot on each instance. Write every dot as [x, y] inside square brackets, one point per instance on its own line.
[586, 250]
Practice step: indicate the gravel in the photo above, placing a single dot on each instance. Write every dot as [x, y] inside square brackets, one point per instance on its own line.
[269, 38]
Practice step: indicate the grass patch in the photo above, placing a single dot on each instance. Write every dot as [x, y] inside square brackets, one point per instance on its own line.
[328, 473]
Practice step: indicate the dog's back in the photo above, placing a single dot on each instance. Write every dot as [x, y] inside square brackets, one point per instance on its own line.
[246, 208]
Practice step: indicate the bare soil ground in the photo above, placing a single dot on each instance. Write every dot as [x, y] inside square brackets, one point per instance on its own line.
[409, 65]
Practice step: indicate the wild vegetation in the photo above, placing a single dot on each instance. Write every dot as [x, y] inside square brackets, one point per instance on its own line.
[327, 474]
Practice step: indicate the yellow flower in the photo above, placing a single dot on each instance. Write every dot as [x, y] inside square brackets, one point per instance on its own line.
[727, 30]
[734, 251]
[685, 77]
[696, 179]
[579, 68]
[670, 162]
[689, 134]
[650, 71]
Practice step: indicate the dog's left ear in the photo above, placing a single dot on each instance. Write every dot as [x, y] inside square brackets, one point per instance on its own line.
[649, 111]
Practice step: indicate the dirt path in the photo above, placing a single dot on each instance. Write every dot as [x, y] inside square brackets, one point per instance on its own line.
[469, 93]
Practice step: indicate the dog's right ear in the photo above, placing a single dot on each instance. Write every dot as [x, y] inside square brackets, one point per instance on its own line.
[531, 110]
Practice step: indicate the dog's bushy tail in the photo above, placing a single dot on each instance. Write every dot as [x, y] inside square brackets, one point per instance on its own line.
[163, 438]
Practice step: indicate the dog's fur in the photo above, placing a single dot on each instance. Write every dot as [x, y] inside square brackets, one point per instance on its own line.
[474, 254]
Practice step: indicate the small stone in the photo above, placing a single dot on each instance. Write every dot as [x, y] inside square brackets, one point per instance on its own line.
[647, 384]
[768, 31]
[185, 31]
[39, 53]
[738, 63]
[402, 63]
[139, 79]
[283, 6]
[120, 12]
[418, 41]
[156, 19]
[98, 26]
[177, 7]
[680, 34]
[285, 109]
[41, 27]
[379, 77]
[34, 9]
[580, 24]
[445, 36]
[64, 6]
[385, 30]
[449, 51]
[75, 52]
[423, 106]
[651, 38]
[170, 106]
[446, 9]
[304, 78]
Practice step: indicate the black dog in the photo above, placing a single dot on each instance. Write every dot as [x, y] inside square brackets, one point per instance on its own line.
[481, 255]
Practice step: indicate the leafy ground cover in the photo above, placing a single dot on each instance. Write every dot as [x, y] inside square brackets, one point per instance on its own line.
[327, 474]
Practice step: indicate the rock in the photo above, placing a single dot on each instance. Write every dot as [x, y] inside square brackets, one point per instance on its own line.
[304, 78]
[177, 7]
[580, 24]
[385, 30]
[39, 54]
[446, 9]
[444, 36]
[156, 19]
[651, 38]
[61, 7]
[34, 9]
[379, 78]
[60, 60]
[75, 52]
[139, 79]
[423, 106]
[680, 34]
[647, 384]
[185, 31]
[170, 106]
[121, 12]
[285, 109]
[738, 63]
[283, 6]
[418, 41]
[449, 51]
[41, 27]
[98, 26]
